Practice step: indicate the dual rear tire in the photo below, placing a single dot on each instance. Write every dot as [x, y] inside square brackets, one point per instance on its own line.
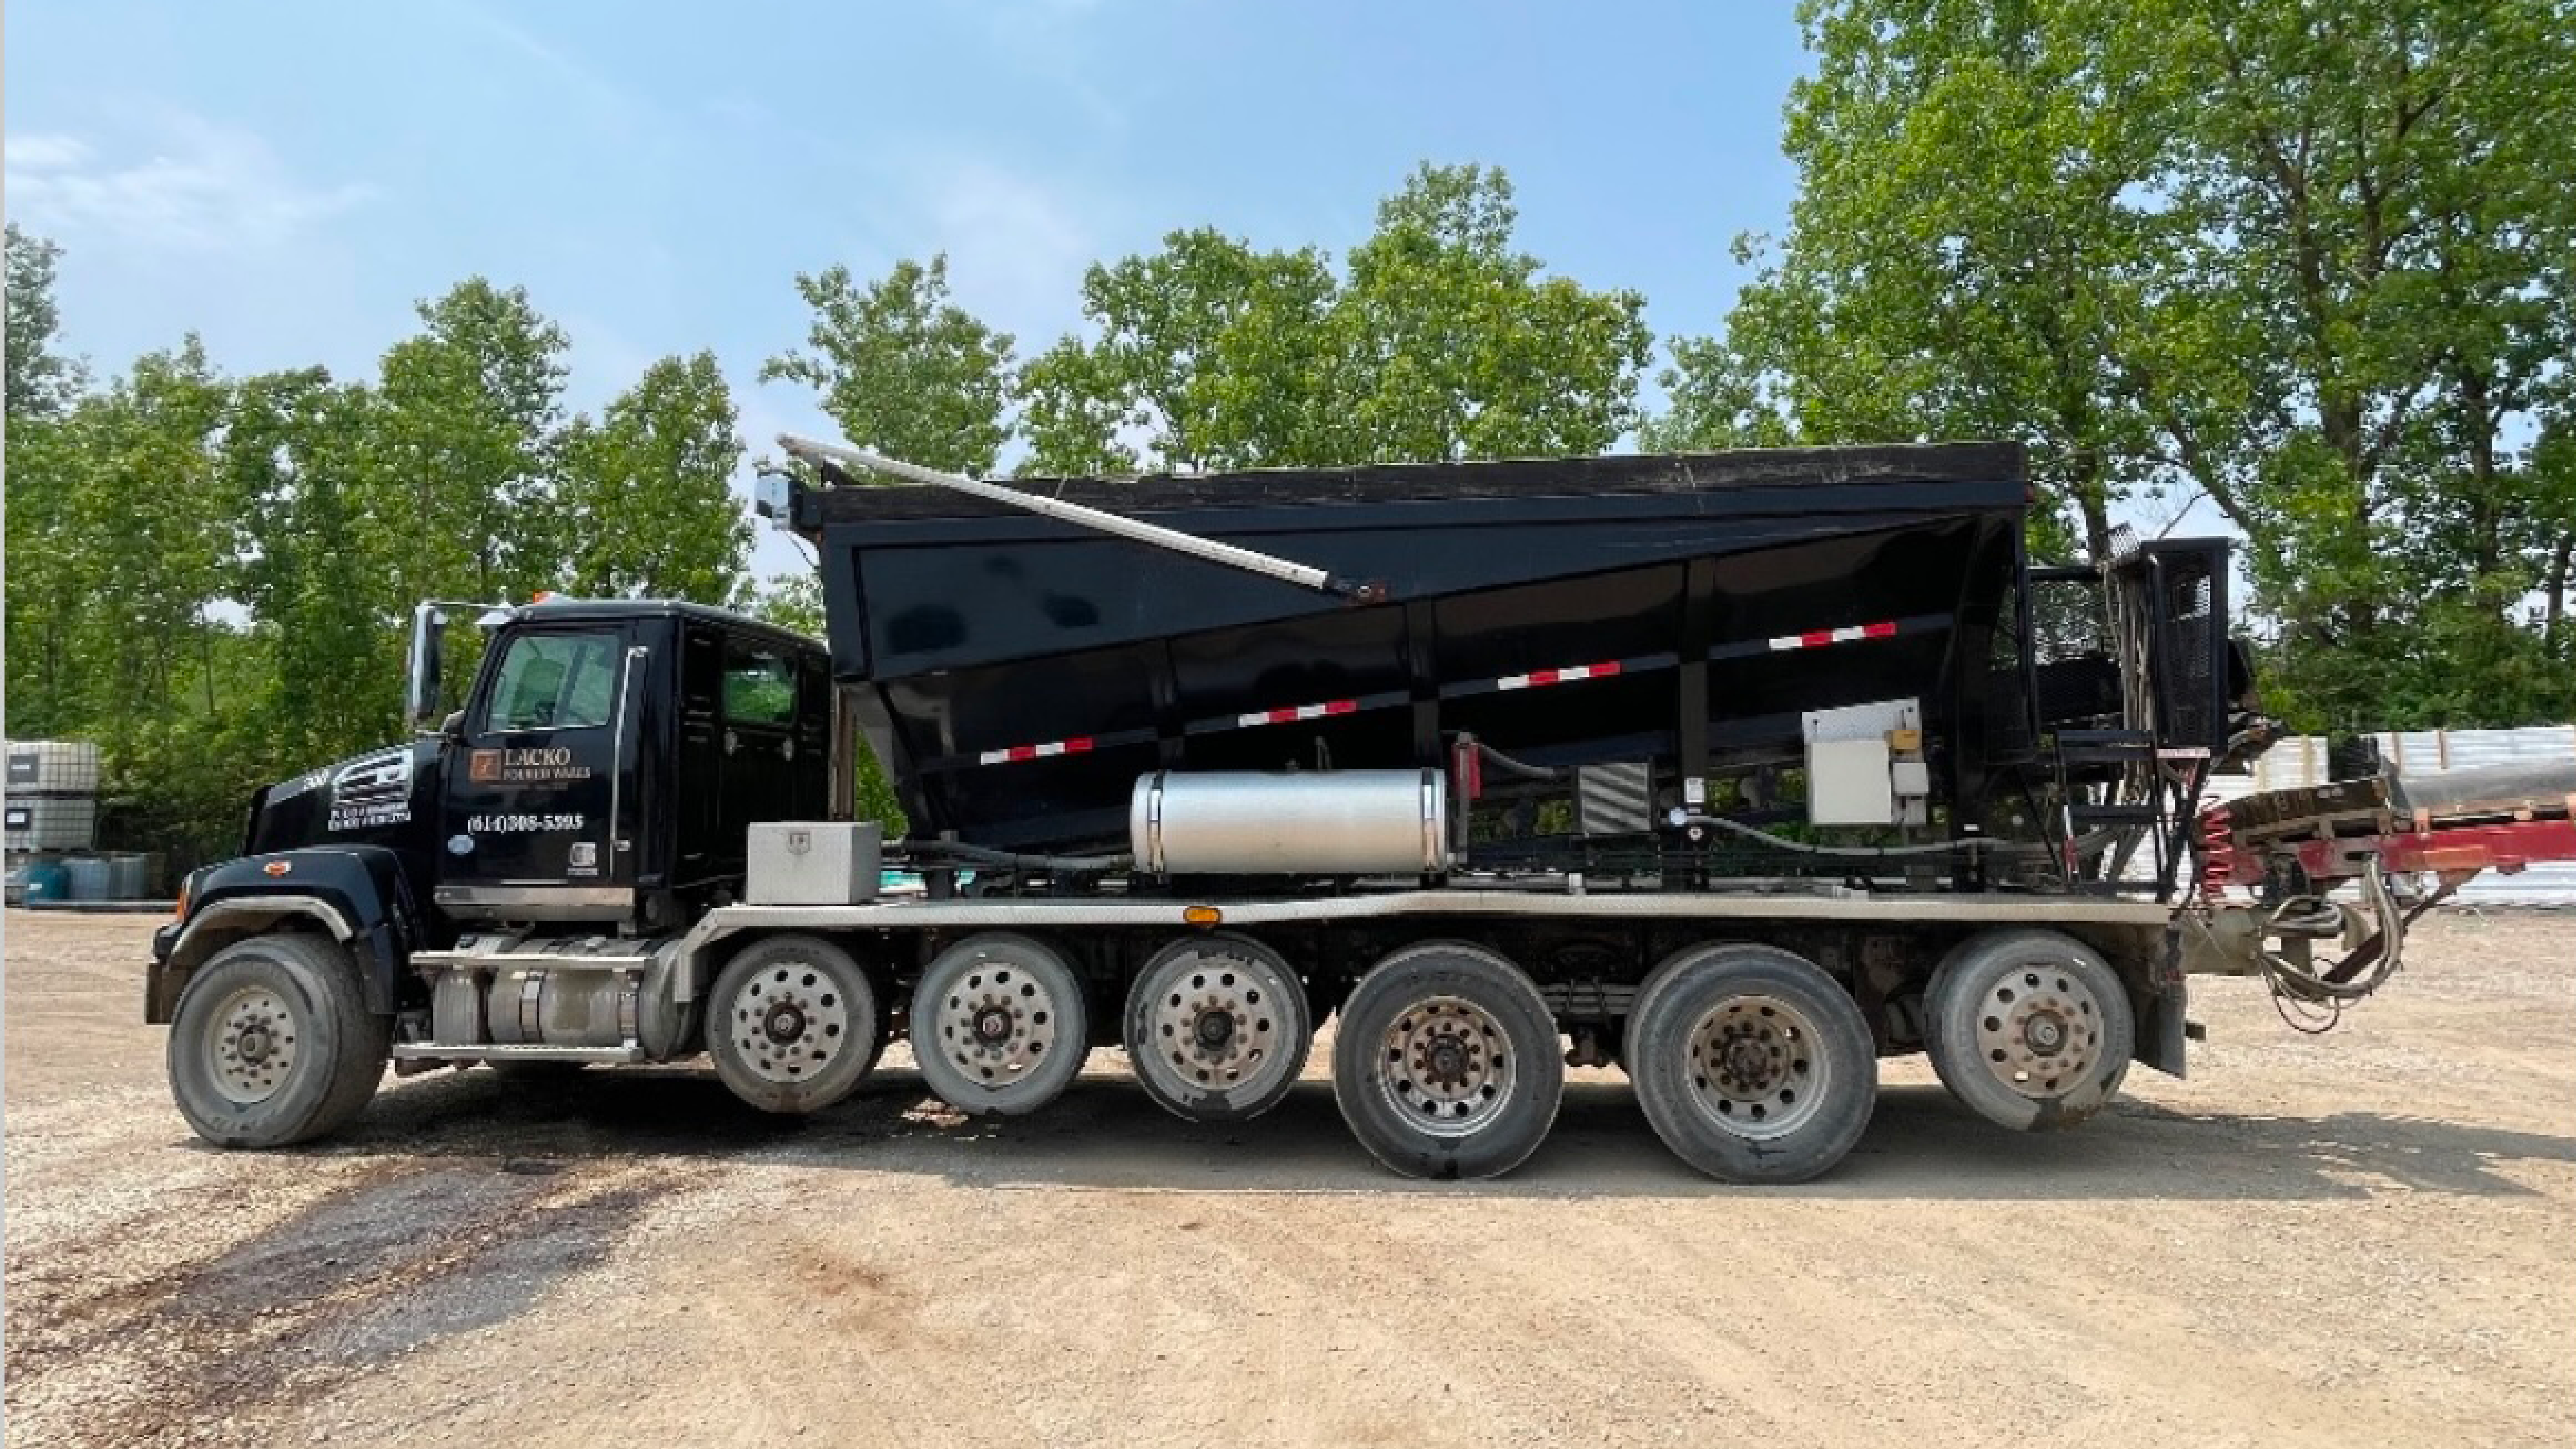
[1751, 1063]
[1446, 1064]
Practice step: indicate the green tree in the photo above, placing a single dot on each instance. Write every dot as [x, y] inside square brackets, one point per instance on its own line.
[647, 491]
[792, 600]
[41, 381]
[1211, 353]
[903, 369]
[43, 473]
[1459, 348]
[1960, 262]
[2308, 260]
[465, 450]
[156, 672]
[321, 620]
[47, 466]
[1442, 341]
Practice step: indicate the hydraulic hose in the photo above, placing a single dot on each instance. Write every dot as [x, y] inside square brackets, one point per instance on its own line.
[1510, 766]
[983, 855]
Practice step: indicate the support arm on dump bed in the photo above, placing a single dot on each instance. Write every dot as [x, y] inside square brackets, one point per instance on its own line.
[1267, 565]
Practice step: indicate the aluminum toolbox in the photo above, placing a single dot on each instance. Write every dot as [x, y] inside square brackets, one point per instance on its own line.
[801, 863]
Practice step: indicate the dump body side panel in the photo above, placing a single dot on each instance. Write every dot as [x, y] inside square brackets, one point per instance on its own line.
[1023, 672]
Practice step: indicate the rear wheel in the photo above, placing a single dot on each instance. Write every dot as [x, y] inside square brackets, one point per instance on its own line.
[272, 1043]
[2032, 1029]
[998, 1025]
[1218, 1029]
[1751, 1063]
[1446, 1063]
[793, 1024]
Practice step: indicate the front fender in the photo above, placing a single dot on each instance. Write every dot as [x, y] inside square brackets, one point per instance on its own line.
[357, 895]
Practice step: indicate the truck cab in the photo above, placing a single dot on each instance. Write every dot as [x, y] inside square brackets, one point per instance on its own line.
[609, 758]
[598, 777]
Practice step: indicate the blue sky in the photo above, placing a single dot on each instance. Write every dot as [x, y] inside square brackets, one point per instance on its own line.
[287, 179]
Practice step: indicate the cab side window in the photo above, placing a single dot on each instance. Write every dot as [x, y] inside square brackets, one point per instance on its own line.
[554, 682]
[759, 684]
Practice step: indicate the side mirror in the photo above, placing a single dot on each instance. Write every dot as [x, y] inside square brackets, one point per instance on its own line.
[420, 676]
[453, 727]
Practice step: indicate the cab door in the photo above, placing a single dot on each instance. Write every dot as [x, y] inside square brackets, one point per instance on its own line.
[531, 793]
[766, 751]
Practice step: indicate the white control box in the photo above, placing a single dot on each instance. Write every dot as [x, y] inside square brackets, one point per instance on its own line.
[814, 863]
[1848, 783]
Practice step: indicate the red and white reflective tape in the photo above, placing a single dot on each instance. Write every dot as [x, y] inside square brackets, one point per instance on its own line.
[1298, 712]
[1818, 638]
[1567, 675]
[1045, 751]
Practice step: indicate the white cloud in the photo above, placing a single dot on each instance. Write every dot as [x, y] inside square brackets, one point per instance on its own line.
[200, 186]
[46, 153]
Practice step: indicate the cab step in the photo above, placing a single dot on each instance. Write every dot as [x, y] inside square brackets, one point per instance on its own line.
[517, 960]
[414, 1051]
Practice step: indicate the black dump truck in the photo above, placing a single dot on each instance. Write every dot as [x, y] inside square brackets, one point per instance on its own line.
[1739, 771]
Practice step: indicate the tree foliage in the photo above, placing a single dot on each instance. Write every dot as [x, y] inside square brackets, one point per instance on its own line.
[466, 445]
[209, 576]
[2309, 261]
[902, 368]
[1439, 341]
[1455, 346]
[40, 380]
[647, 497]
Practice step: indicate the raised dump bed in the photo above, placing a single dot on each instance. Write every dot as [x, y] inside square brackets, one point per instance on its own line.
[1018, 674]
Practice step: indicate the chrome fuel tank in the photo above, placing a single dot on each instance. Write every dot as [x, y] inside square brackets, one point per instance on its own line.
[1344, 822]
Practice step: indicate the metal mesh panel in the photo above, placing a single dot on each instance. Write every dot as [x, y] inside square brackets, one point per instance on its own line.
[2191, 651]
[2078, 675]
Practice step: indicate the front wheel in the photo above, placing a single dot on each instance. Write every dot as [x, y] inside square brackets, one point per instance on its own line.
[1751, 1063]
[1446, 1063]
[272, 1043]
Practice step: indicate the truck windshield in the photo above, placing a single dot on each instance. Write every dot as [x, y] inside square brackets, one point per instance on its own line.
[554, 682]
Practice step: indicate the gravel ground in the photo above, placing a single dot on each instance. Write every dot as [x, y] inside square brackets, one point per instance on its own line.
[2355, 1239]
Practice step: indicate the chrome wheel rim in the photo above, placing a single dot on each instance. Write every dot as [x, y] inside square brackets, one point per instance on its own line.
[1448, 1068]
[252, 1046]
[789, 1021]
[2039, 1029]
[1757, 1068]
[997, 1023]
[1217, 1020]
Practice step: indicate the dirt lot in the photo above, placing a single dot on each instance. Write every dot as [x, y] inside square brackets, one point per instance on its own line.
[2358, 1239]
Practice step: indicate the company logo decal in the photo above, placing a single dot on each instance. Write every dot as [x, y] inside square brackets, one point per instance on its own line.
[539, 765]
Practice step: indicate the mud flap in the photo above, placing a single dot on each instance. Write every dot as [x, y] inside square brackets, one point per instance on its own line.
[2171, 1034]
[2164, 1015]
